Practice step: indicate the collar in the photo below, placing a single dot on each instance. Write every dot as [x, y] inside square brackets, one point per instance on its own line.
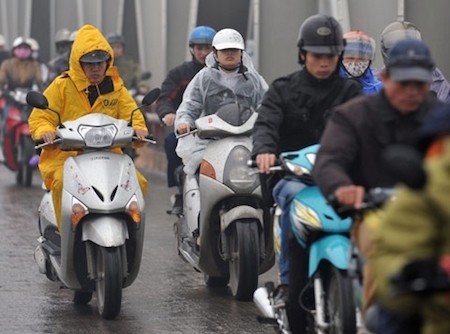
[389, 113]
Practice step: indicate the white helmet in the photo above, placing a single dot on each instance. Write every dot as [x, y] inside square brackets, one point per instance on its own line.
[33, 43]
[228, 39]
[21, 41]
[62, 35]
[73, 35]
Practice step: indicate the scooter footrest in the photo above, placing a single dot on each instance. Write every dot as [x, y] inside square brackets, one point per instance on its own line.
[51, 248]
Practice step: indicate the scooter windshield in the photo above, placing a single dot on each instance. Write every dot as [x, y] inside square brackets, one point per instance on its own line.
[234, 114]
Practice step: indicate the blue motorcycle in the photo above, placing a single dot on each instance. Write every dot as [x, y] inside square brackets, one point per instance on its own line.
[315, 226]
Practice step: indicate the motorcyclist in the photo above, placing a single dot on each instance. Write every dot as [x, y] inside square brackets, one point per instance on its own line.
[228, 78]
[19, 71]
[92, 84]
[348, 161]
[292, 116]
[359, 53]
[129, 70]
[401, 29]
[63, 44]
[414, 236]
[172, 90]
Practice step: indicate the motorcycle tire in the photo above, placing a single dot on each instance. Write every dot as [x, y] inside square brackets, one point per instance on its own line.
[82, 297]
[244, 261]
[108, 282]
[25, 152]
[340, 306]
[215, 281]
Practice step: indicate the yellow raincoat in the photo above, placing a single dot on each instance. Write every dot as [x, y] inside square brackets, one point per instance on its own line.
[68, 94]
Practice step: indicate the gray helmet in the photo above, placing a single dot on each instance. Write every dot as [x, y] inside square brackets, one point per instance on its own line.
[321, 34]
[395, 32]
[62, 35]
[114, 38]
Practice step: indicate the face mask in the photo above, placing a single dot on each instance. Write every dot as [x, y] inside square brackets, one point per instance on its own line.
[357, 68]
[22, 53]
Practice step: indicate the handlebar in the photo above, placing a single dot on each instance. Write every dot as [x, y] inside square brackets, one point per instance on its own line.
[191, 132]
[423, 276]
[374, 198]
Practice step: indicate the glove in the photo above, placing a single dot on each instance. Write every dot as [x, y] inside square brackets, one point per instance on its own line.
[423, 276]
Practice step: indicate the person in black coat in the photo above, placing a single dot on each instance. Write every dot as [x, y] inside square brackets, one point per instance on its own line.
[292, 116]
[172, 90]
[349, 161]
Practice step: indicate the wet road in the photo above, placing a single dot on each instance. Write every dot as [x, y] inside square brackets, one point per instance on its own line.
[167, 297]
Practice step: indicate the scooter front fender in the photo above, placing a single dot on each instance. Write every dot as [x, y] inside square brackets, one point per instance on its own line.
[105, 231]
[240, 212]
[333, 248]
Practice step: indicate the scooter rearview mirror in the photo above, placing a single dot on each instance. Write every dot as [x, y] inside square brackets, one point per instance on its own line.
[405, 164]
[37, 100]
[148, 99]
[151, 97]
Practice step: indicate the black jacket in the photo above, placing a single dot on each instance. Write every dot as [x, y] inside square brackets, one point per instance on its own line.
[355, 138]
[174, 85]
[294, 111]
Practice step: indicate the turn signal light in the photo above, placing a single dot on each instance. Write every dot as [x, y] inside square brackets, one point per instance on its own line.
[78, 212]
[134, 212]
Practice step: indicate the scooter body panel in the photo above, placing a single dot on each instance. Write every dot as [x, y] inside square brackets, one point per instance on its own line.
[332, 248]
[222, 204]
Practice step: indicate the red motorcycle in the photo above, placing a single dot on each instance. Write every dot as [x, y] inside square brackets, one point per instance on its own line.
[18, 147]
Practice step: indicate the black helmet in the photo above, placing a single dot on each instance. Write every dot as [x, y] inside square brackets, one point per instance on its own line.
[114, 38]
[321, 34]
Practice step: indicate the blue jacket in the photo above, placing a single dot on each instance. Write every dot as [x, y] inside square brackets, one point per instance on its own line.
[369, 83]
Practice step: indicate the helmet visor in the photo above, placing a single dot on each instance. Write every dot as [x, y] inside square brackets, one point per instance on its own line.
[393, 37]
[359, 48]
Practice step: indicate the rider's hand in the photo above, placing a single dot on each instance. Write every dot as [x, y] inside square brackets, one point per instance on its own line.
[169, 119]
[141, 133]
[264, 161]
[183, 128]
[350, 195]
[48, 137]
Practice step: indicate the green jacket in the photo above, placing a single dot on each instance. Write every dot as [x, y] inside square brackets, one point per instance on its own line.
[417, 228]
[129, 71]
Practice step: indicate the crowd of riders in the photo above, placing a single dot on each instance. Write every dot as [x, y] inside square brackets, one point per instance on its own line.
[336, 99]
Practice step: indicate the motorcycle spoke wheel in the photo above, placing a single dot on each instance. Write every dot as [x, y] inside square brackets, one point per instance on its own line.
[108, 282]
[339, 303]
[244, 261]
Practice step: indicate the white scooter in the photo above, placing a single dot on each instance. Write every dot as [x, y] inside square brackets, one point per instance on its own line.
[100, 244]
[227, 235]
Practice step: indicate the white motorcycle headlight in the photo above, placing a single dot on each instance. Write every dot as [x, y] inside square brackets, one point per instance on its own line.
[238, 175]
[98, 136]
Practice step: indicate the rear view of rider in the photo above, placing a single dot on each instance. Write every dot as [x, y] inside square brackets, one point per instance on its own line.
[415, 233]
[292, 116]
[359, 53]
[172, 90]
[399, 30]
